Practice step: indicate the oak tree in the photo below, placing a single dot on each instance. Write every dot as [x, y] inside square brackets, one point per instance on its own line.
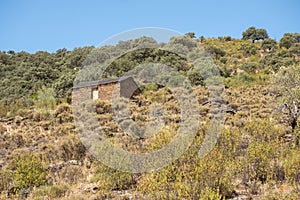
[253, 34]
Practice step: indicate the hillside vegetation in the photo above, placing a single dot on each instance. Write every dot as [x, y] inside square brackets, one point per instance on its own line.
[256, 157]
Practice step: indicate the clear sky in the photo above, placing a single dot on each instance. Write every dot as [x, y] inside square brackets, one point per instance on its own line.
[32, 25]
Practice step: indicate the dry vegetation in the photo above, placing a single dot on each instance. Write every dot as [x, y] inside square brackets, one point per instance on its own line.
[256, 157]
[43, 158]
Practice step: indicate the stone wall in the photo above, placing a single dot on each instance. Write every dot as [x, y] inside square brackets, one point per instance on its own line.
[107, 91]
[81, 94]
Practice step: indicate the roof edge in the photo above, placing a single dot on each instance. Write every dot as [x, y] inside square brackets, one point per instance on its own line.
[100, 82]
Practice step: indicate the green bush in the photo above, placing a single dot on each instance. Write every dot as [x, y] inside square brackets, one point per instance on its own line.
[111, 179]
[223, 60]
[210, 194]
[150, 87]
[216, 52]
[242, 79]
[195, 77]
[28, 171]
[248, 49]
[227, 38]
[192, 178]
[250, 67]
[259, 161]
[292, 166]
[278, 59]
[268, 44]
[245, 77]
[225, 71]
[264, 152]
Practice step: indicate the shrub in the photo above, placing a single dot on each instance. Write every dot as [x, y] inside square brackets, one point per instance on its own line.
[268, 44]
[225, 71]
[111, 179]
[102, 106]
[292, 166]
[63, 113]
[262, 130]
[245, 77]
[52, 192]
[195, 77]
[3, 109]
[281, 195]
[288, 40]
[192, 178]
[295, 49]
[28, 171]
[209, 194]
[216, 52]
[259, 165]
[248, 49]
[45, 99]
[223, 60]
[263, 155]
[227, 38]
[278, 59]
[40, 115]
[249, 67]
[71, 148]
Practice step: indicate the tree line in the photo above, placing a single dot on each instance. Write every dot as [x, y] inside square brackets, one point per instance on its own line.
[24, 74]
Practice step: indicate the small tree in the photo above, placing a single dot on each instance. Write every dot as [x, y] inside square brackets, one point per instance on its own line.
[28, 171]
[191, 34]
[286, 88]
[255, 34]
[268, 44]
[250, 67]
[288, 40]
[295, 49]
[216, 52]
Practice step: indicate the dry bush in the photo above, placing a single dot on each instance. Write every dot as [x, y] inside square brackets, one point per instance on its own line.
[102, 106]
[71, 148]
[50, 192]
[71, 174]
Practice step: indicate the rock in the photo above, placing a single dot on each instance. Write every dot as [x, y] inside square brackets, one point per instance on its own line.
[242, 197]
[91, 188]
[74, 162]
[95, 189]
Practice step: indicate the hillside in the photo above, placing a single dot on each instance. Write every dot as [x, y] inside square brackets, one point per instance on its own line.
[256, 156]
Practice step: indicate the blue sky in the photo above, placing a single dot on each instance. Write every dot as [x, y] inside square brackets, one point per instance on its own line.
[34, 25]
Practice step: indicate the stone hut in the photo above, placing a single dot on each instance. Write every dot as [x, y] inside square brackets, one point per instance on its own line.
[105, 89]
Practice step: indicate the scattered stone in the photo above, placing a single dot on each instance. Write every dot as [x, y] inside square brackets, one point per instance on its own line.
[74, 162]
